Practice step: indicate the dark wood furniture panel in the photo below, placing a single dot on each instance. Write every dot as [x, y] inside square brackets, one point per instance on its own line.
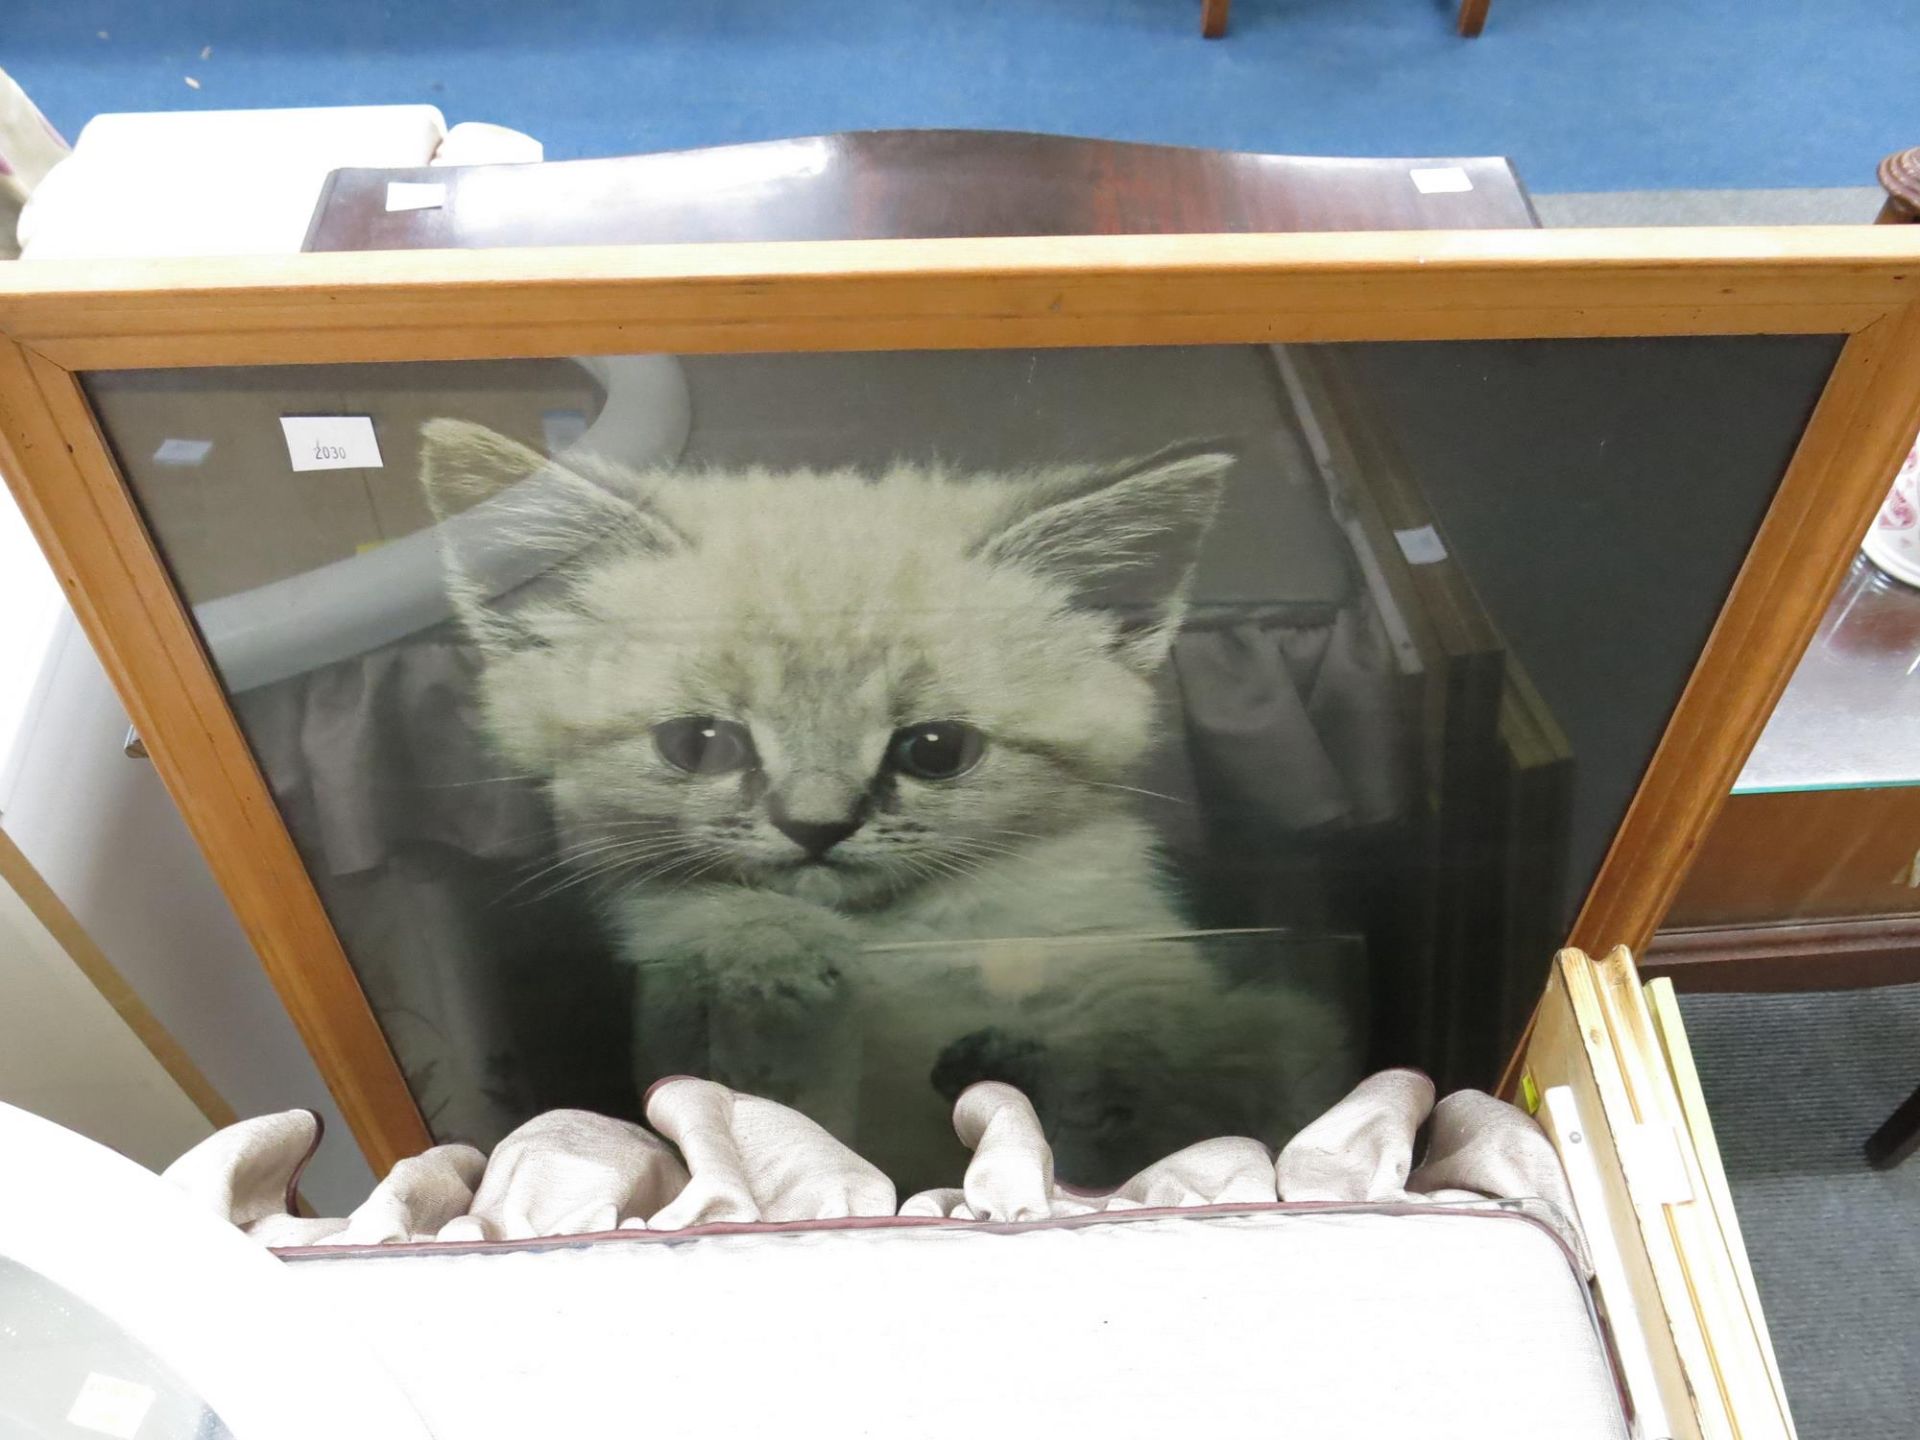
[1789, 955]
[1806, 855]
[894, 184]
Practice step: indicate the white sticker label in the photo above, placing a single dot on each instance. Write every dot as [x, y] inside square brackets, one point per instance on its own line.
[416, 194]
[109, 1406]
[1422, 546]
[182, 452]
[1656, 1171]
[331, 442]
[1428, 180]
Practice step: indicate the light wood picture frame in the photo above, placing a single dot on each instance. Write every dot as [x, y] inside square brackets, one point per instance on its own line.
[1608, 1073]
[59, 320]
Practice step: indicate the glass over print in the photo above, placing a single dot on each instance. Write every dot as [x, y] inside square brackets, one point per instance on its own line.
[1176, 733]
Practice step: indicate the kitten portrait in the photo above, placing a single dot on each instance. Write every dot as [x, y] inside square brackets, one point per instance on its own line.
[848, 762]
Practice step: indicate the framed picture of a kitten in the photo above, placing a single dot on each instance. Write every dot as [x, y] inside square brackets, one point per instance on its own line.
[1177, 675]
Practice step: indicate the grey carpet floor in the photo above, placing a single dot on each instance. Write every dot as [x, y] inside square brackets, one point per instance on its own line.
[1795, 1084]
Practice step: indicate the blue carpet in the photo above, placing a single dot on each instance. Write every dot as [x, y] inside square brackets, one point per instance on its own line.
[1583, 94]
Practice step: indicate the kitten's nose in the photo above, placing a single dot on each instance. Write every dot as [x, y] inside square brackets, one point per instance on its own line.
[813, 836]
[816, 837]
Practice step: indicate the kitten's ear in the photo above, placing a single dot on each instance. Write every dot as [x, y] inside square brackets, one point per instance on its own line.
[1123, 536]
[462, 464]
[563, 513]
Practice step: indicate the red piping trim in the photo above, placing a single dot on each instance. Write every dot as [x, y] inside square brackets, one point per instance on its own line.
[290, 1203]
[919, 1222]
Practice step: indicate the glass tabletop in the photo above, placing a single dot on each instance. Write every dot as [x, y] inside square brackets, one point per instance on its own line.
[1846, 721]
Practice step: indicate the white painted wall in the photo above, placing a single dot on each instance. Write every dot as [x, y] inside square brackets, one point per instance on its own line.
[66, 1055]
[106, 838]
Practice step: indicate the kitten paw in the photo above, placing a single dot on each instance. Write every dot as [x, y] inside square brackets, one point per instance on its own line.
[990, 1054]
[778, 982]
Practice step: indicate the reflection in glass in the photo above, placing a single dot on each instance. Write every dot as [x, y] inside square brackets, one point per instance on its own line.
[1174, 733]
[1846, 719]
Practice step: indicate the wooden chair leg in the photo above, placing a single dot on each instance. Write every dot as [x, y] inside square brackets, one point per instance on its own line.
[1900, 178]
[1898, 1138]
[1473, 16]
[1213, 18]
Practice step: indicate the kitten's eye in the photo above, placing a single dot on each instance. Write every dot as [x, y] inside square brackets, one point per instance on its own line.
[704, 745]
[937, 749]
